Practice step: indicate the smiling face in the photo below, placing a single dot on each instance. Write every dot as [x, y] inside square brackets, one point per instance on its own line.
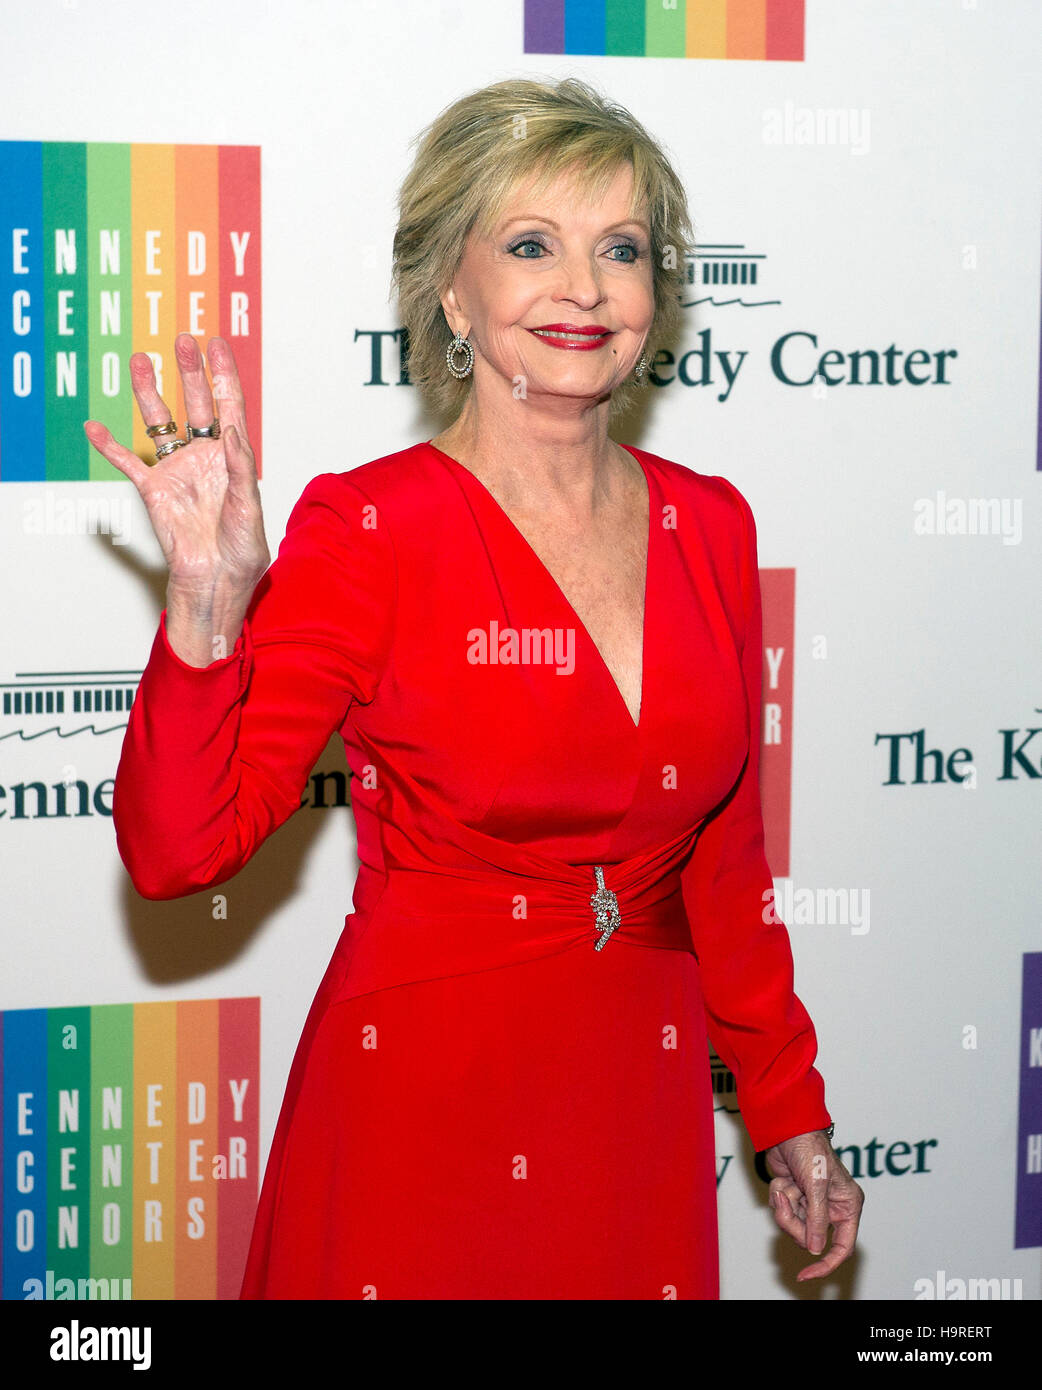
[561, 294]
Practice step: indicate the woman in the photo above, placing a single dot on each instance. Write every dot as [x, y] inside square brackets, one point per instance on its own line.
[543, 652]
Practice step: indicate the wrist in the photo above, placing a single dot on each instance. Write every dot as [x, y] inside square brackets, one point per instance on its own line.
[828, 1132]
[202, 631]
[201, 596]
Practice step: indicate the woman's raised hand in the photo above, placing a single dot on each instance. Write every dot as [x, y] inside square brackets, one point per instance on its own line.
[203, 500]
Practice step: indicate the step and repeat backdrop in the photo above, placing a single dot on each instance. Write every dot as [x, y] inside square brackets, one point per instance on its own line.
[860, 356]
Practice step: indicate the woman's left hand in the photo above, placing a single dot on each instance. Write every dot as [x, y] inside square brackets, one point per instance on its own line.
[810, 1191]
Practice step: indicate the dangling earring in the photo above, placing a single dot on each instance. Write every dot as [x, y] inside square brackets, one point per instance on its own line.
[460, 344]
[642, 366]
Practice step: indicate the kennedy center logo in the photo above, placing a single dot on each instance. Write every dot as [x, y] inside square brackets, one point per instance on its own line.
[129, 1155]
[109, 249]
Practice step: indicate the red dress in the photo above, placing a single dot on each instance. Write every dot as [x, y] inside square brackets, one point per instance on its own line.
[484, 1105]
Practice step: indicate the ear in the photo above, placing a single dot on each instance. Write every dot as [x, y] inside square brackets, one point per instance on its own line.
[454, 316]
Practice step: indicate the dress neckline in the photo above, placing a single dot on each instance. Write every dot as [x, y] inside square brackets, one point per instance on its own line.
[635, 724]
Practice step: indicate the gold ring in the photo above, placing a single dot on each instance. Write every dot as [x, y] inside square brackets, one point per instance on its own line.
[169, 448]
[167, 427]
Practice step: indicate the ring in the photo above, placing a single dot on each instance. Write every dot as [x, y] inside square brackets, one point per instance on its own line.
[167, 427]
[169, 448]
[211, 431]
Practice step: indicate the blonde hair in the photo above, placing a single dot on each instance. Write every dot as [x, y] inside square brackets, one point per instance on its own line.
[473, 155]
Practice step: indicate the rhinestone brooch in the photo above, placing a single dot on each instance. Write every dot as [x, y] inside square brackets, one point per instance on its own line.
[606, 909]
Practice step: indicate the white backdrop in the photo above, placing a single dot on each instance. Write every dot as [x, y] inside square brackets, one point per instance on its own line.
[907, 217]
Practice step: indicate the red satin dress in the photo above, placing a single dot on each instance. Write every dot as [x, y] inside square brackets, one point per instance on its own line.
[496, 1095]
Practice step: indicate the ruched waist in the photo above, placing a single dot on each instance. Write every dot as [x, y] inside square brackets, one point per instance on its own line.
[413, 924]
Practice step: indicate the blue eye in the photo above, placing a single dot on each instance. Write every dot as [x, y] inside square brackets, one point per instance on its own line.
[527, 241]
[536, 242]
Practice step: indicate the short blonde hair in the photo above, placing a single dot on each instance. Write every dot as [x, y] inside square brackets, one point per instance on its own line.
[473, 155]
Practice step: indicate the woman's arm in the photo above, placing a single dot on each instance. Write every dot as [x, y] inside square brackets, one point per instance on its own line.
[216, 758]
[247, 678]
[756, 1023]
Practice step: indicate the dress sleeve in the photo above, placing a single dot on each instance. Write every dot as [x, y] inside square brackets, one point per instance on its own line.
[756, 1023]
[216, 758]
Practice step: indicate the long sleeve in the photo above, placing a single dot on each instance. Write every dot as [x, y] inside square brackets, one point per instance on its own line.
[216, 758]
[756, 1023]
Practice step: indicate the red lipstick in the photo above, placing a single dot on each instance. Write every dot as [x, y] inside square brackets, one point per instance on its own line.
[572, 337]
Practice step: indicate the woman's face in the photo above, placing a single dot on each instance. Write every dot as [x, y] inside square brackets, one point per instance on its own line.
[562, 265]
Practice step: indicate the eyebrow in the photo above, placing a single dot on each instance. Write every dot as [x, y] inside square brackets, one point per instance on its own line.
[538, 217]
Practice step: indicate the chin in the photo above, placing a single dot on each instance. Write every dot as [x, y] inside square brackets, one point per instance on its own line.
[570, 391]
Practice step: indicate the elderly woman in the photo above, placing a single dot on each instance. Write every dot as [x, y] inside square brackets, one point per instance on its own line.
[543, 652]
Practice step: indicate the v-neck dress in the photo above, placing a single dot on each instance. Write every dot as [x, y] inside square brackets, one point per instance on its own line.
[496, 1095]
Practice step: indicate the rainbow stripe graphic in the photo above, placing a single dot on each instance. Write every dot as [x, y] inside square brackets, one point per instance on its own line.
[769, 30]
[128, 1166]
[109, 249]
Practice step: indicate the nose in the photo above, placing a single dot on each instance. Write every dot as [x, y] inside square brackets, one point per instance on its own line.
[579, 280]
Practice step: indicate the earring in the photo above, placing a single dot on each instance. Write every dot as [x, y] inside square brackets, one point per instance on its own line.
[460, 344]
[641, 367]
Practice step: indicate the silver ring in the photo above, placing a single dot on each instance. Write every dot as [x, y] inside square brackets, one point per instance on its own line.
[169, 448]
[211, 431]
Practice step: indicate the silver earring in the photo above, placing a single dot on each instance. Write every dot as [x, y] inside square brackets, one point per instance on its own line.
[460, 344]
[642, 366]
